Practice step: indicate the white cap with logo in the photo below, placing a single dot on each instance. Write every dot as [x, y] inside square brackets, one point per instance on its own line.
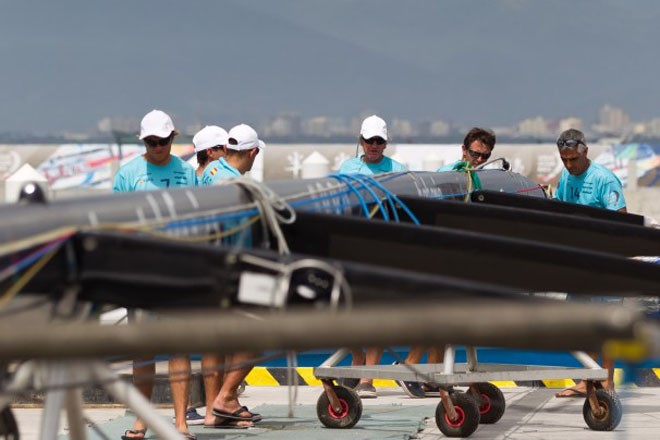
[208, 137]
[373, 126]
[244, 137]
[156, 123]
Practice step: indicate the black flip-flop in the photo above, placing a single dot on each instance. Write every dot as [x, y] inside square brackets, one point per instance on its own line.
[253, 417]
[229, 424]
[574, 393]
[136, 432]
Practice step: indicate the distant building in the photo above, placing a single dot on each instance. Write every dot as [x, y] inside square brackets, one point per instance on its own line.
[533, 127]
[612, 121]
[570, 122]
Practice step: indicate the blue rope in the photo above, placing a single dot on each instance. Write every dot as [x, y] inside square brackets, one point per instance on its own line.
[403, 205]
[358, 178]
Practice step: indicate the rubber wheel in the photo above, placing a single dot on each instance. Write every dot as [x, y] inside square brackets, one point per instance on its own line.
[492, 404]
[8, 426]
[468, 416]
[611, 417]
[351, 409]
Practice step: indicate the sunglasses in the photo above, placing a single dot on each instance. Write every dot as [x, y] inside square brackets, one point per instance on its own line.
[374, 140]
[217, 148]
[162, 142]
[570, 143]
[476, 155]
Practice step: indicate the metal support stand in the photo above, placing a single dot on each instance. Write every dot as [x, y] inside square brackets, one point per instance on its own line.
[63, 382]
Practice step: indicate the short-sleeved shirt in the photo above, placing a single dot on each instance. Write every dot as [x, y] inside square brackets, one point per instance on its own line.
[140, 175]
[358, 166]
[448, 167]
[216, 170]
[597, 186]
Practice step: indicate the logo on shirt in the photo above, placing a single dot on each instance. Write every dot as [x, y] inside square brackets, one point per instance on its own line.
[213, 171]
[614, 198]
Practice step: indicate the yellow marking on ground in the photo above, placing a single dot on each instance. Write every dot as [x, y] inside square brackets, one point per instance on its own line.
[384, 383]
[261, 377]
[558, 383]
[307, 373]
[657, 372]
[618, 376]
[504, 383]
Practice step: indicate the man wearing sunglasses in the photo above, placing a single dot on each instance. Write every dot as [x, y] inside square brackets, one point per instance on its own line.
[373, 139]
[583, 181]
[157, 168]
[477, 148]
[587, 183]
[209, 145]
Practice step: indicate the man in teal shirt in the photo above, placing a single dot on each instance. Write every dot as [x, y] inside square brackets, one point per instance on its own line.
[373, 139]
[242, 148]
[583, 181]
[586, 183]
[477, 147]
[157, 168]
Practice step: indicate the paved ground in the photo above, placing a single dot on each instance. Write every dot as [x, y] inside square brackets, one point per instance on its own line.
[532, 413]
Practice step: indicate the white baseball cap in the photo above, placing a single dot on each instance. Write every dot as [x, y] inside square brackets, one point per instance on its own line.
[156, 123]
[208, 137]
[244, 137]
[373, 126]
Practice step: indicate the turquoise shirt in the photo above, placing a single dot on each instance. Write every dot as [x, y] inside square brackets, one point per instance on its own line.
[221, 170]
[357, 166]
[140, 175]
[597, 186]
[448, 167]
[216, 170]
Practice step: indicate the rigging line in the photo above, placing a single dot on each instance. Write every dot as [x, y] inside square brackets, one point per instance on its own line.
[27, 276]
[342, 178]
[373, 194]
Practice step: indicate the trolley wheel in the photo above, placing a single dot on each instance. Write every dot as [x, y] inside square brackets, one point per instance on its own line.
[468, 416]
[611, 415]
[351, 409]
[8, 426]
[492, 404]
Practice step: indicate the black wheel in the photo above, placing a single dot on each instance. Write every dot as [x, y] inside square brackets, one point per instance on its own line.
[8, 426]
[612, 411]
[491, 402]
[468, 416]
[351, 409]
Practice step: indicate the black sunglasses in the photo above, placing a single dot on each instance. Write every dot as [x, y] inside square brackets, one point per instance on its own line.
[570, 143]
[475, 154]
[374, 140]
[162, 142]
[216, 148]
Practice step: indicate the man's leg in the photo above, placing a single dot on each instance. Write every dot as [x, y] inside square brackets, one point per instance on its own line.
[608, 364]
[415, 355]
[213, 379]
[179, 371]
[227, 399]
[144, 371]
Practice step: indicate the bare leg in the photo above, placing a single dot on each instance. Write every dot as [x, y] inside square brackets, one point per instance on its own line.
[415, 354]
[211, 363]
[179, 368]
[144, 371]
[227, 398]
[609, 365]
[372, 358]
[358, 357]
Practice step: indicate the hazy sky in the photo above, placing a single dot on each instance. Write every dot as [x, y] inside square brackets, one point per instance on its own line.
[68, 63]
